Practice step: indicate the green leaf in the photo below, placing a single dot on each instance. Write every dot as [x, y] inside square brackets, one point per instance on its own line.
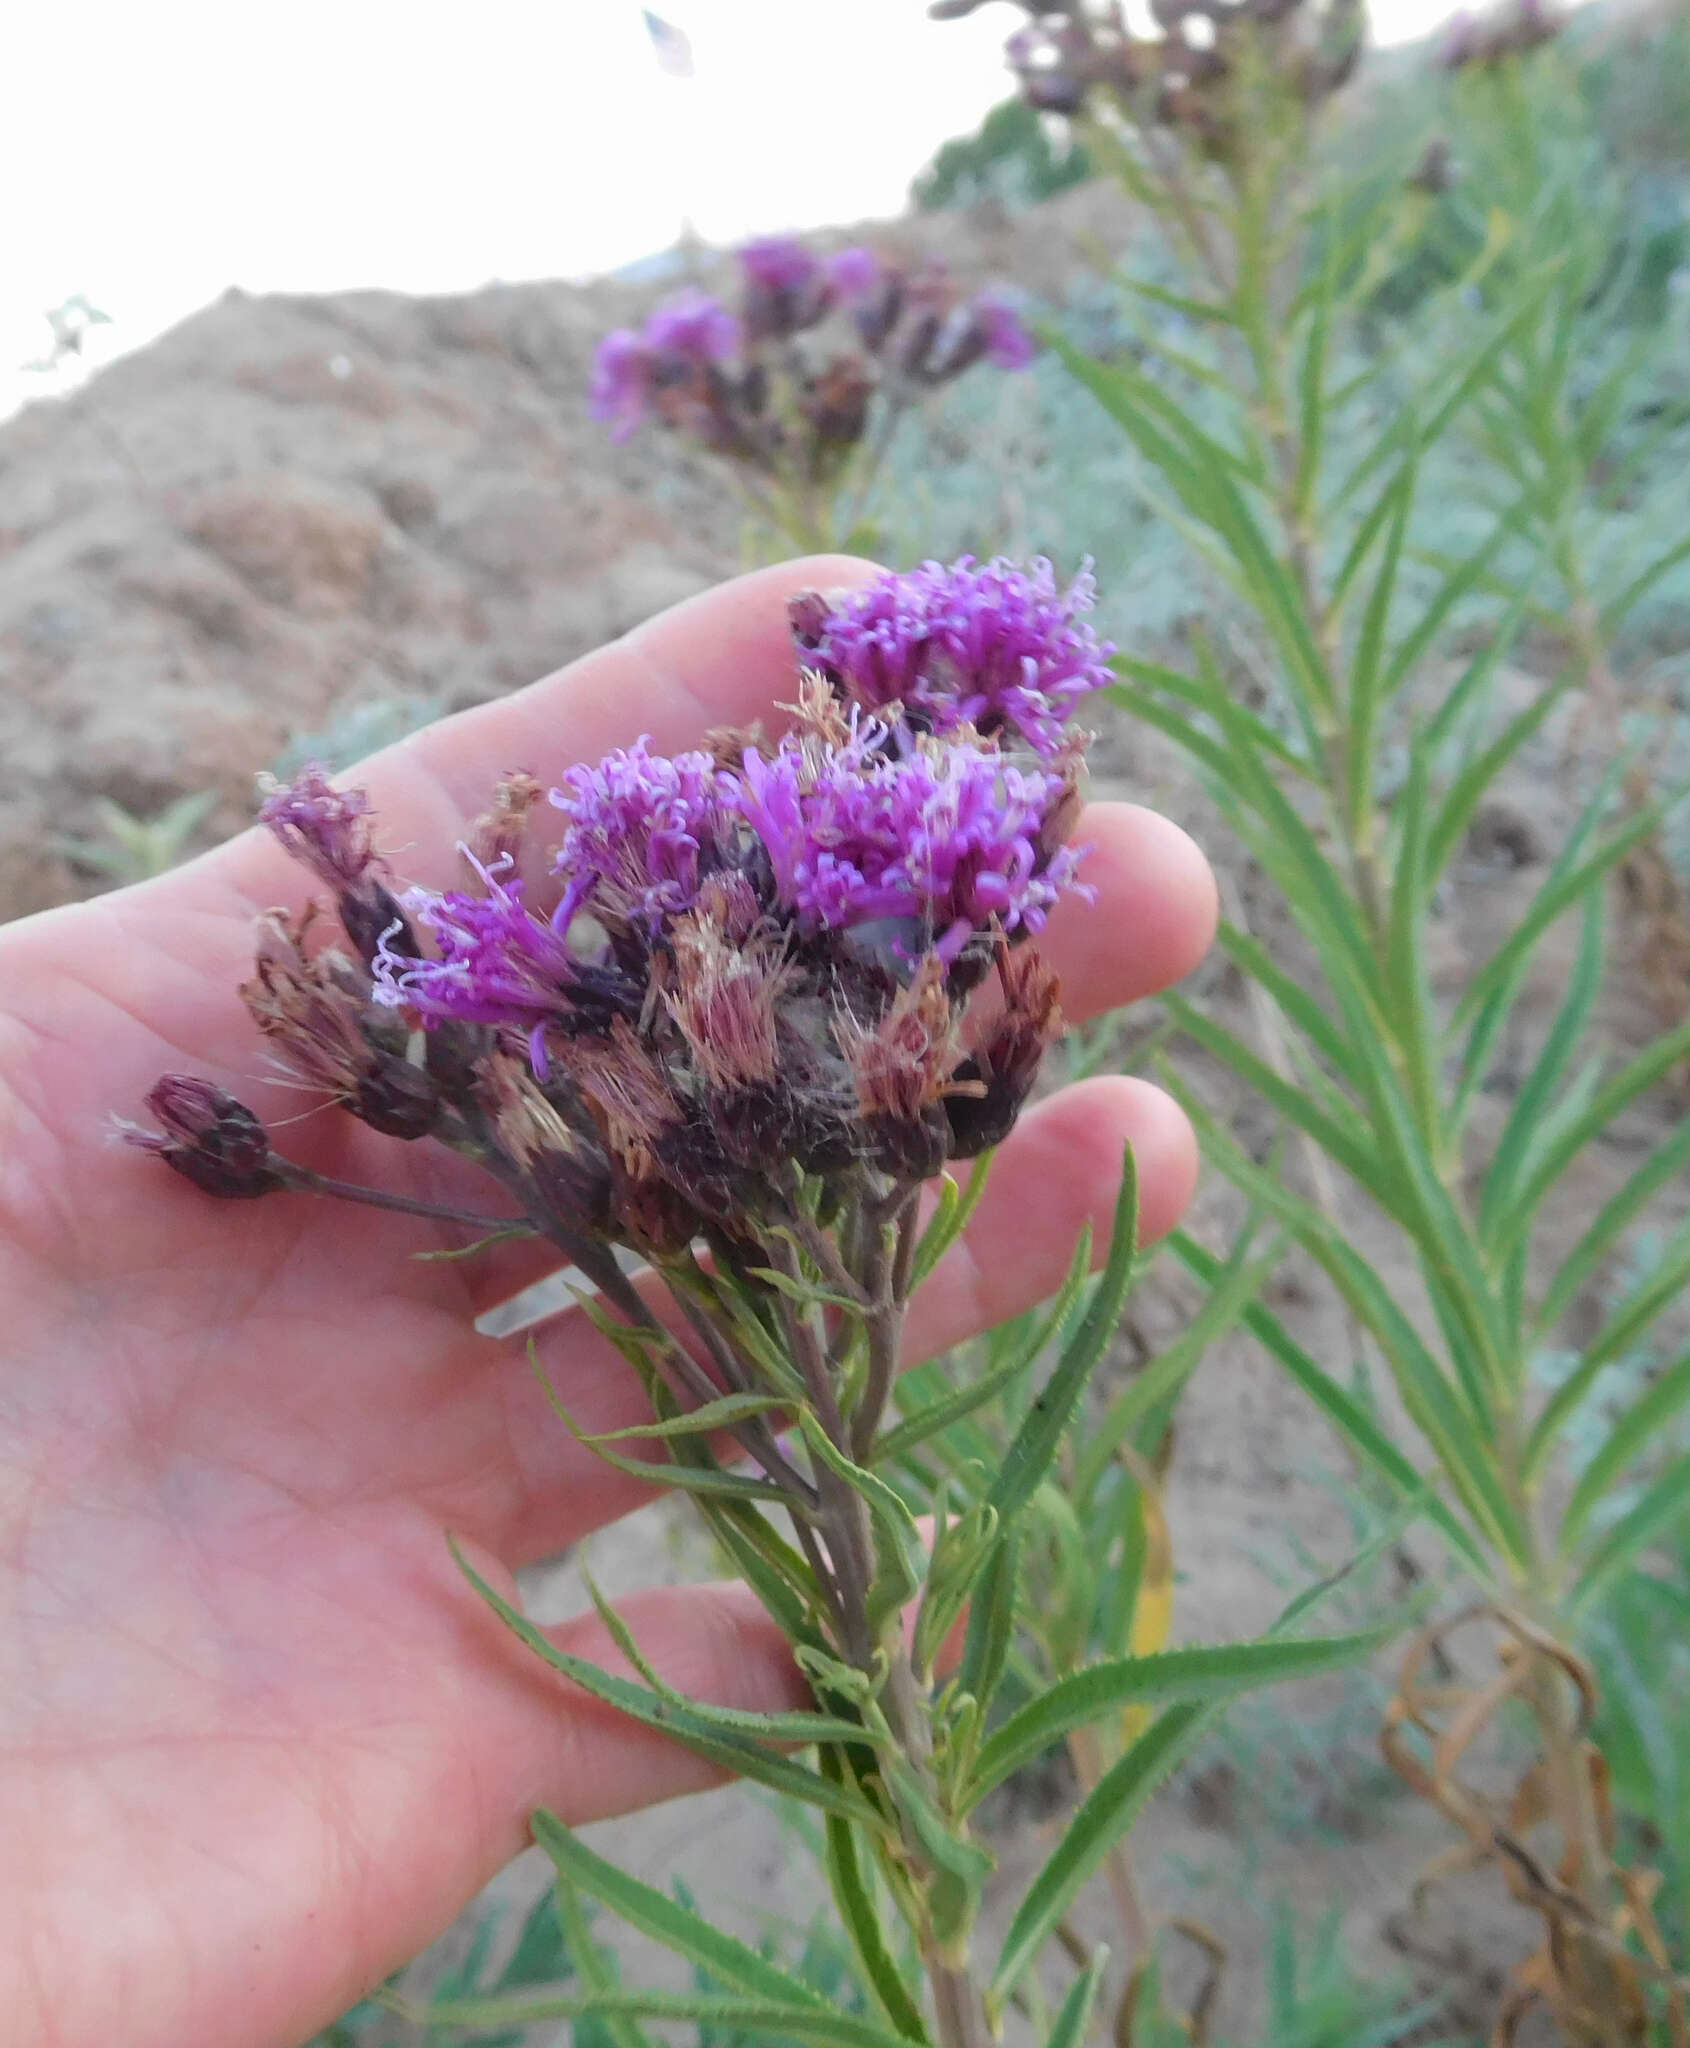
[1292, 997]
[1465, 794]
[593, 1965]
[826, 2027]
[1355, 1426]
[1103, 1817]
[702, 1421]
[1665, 1503]
[950, 1219]
[1631, 1435]
[902, 1556]
[1571, 1019]
[1205, 1672]
[1457, 584]
[1650, 1066]
[853, 1892]
[991, 1622]
[716, 1733]
[1348, 1144]
[941, 1414]
[1662, 1166]
[1558, 894]
[1074, 2015]
[1656, 1293]
[1163, 1377]
[1458, 1435]
[652, 1913]
[1035, 1444]
[1367, 677]
[1615, 612]
[805, 1292]
[1198, 693]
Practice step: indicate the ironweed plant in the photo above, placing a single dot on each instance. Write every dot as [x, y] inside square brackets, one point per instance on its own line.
[797, 393]
[1305, 446]
[729, 1028]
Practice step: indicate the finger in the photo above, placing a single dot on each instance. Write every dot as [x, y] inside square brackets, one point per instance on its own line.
[1058, 1172]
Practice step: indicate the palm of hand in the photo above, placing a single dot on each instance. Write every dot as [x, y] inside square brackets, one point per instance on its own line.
[258, 1741]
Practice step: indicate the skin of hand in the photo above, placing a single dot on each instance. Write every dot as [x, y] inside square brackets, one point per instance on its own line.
[259, 1740]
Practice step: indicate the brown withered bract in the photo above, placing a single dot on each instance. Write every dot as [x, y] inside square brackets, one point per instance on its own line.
[315, 1010]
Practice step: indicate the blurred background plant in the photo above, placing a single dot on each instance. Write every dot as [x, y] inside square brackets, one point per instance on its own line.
[798, 392]
[1365, 477]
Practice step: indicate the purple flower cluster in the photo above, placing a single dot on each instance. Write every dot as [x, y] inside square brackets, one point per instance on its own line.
[948, 835]
[996, 647]
[709, 371]
[683, 340]
[742, 960]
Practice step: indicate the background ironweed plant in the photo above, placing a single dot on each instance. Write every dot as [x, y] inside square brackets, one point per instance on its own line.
[798, 390]
[755, 998]
[1306, 418]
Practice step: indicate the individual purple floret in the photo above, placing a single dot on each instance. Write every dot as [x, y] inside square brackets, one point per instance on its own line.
[853, 273]
[320, 825]
[1008, 341]
[693, 328]
[638, 823]
[778, 263]
[498, 963]
[621, 377]
[948, 835]
[996, 647]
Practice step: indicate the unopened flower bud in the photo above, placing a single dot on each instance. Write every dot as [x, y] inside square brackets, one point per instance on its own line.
[209, 1138]
[1007, 1063]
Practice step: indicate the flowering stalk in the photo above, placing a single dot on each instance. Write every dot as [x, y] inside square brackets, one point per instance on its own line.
[798, 394]
[735, 1032]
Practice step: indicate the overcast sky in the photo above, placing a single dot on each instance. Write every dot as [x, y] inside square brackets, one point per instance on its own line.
[152, 155]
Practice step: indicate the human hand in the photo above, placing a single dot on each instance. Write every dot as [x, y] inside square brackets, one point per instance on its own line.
[259, 1742]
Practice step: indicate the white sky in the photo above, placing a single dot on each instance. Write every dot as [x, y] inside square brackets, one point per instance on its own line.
[153, 154]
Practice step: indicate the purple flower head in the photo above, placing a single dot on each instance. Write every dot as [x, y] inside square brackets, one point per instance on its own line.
[852, 274]
[1008, 342]
[996, 647]
[694, 329]
[498, 963]
[320, 825]
[638, 824]
[778, 264]
[948, 835]
[621, 377]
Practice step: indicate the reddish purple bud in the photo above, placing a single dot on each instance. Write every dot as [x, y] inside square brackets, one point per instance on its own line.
[209, 1138]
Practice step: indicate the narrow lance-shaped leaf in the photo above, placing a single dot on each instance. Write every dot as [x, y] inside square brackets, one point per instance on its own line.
[652, 1913]
[1665, 1503]
[1355, 1426]
[853, 1893]
[950, 1219]
[1205, 1672]
[1645, 1421]
[824, 2027]
[1034, 1447]
[942, 1414]
[713, 1732]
